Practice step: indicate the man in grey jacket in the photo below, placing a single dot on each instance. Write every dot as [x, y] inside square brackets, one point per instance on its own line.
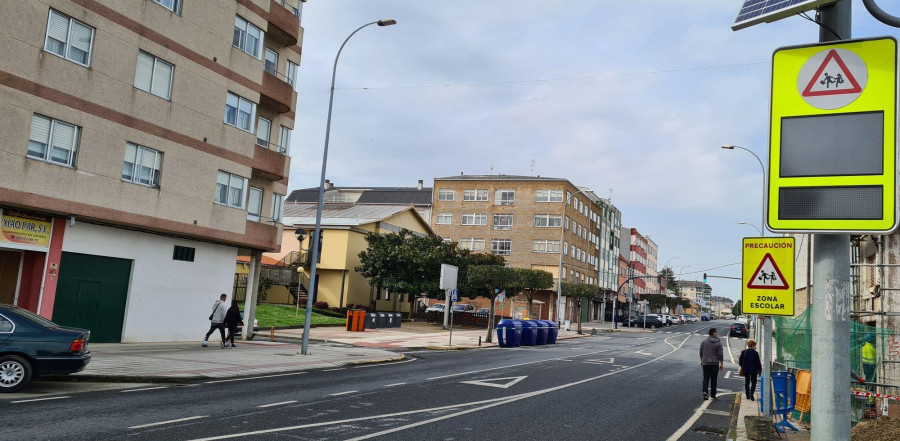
[710, 357]
[216, 318]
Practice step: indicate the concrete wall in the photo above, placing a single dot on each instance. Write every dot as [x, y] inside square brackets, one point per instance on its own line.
[168, 300]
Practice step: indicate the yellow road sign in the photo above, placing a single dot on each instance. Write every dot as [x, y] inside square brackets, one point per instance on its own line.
[832, 146]
[767, 277]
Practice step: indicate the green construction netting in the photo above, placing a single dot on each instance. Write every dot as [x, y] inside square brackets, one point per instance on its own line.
[793, 342]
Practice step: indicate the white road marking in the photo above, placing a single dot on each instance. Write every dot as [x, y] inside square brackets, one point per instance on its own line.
[506, 385]
[332, 370]
[254, 378]
[514, 365]
[728, 343]
[39, 399]
[168, 422]
[395, 384]
[690, 422]
[146, 388]
[642, 352]
[344, 393]
[610, 360]
[392, 363]
[482, 405]
[277, 404]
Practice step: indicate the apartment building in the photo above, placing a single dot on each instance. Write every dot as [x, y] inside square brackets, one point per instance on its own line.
[144, 148]
[694, 290]
[531, 221]
[640, 260]
[610, 226]
[418, 196]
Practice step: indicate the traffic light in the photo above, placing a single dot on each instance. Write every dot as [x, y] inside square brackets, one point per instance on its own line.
[704, 277]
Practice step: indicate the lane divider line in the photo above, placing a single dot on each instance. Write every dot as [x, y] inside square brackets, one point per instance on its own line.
[277, 404]
[39, 399]
[513, 365]
[254, 378]
[141, 390]
[395, 384]
[141, 426]
[343, 393]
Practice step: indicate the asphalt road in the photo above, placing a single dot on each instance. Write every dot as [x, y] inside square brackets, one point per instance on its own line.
[623, 386]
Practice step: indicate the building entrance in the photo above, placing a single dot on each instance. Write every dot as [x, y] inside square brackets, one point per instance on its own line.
[10, 262]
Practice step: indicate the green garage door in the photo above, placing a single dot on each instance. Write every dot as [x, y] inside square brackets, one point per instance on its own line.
[91, 294]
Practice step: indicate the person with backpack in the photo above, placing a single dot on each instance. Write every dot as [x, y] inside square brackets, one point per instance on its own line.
[751, 366]
[232, 319]
[216, 318]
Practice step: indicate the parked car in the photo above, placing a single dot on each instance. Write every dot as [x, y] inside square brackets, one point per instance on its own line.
[652, 322]
[437, 307]
[463, 307]
[34, 346]
[678, 319]
[483, 311]
[688, 318]
[739, 330]
[704, 318]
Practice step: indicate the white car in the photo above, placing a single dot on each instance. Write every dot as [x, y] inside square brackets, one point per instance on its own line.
[691, 318]
[742, 319]
[437, 307]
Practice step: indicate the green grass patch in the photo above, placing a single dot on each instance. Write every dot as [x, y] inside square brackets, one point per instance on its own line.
[286, 315]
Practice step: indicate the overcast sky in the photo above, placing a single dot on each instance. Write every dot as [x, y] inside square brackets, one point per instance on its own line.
[628, 97]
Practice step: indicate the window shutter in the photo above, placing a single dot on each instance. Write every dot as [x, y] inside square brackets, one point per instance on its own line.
[143, 75]
[157, 165]
[81, 37]
[63, 140]
[255, 205]
[40, 129]
[130, 152]
[162, 79]
[58, 27]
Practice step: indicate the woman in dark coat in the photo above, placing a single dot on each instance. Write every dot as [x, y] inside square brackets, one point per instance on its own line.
[751, 366]
[232, 318]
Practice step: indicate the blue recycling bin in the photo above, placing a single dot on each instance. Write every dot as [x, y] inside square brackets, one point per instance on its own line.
[509, 333]
[529, 332]
[542, 331]
[784, 389]
[552, 332]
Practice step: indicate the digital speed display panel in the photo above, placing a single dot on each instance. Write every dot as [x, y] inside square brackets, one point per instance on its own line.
[844, 144]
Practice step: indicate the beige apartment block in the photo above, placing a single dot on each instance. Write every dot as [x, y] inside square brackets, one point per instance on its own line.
[526, 219]
[150, 136]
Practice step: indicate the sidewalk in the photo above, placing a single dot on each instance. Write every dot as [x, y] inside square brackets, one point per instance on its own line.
[188, 361]
[411, 335]
[751, 408]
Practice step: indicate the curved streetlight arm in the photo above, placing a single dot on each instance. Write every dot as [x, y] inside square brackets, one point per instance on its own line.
[880, 14]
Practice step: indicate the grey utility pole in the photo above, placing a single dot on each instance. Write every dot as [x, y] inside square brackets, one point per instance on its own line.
[831, 297]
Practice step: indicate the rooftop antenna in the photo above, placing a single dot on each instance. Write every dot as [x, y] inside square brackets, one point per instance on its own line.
[610, 195]
[492, 169]
[532, 167]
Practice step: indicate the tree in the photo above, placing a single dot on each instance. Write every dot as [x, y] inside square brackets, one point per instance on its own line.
[493, 279]
[736, 309]
[671, 283]
[533, 280]
[579, 292]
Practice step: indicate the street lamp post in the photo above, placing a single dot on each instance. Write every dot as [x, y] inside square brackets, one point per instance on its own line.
[751, 225]
[315, 239]
[762, 226]
[562, 238]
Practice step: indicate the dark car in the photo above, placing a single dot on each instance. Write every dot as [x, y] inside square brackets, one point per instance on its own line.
[32, 346]
[652, 322]
[739, 330]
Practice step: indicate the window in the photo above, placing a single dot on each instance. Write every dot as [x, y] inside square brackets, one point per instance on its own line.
[153, 75]
[172, 5]
[445, 195]
[52, 140]
[230, 189]
[472, 244]
[290, 74]
[503, 221]
[254, 204]
[263, 130]
[69, 38]
[239, 112]
[474, 219]
[548, 196]
[277, 207]
[565, 247]
[271, 62]
[501, 246]
[142, 165]
[567, 222]
[185, 254]
[247, 37]
[444, 219]
[284, 140]
[475, 195]
[568, 198]
[6, 326]
[545, 246]
[504, 197]
[547, 220]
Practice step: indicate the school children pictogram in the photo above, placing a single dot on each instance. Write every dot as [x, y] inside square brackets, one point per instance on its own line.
[767, 275]
[832, 78]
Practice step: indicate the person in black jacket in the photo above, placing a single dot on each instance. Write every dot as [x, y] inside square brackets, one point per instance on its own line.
[751, 366]
[232, 318]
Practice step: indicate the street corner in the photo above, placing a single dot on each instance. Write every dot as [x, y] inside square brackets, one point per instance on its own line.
[398, 357]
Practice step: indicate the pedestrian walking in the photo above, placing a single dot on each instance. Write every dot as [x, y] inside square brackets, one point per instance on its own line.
[232, 318]
[216, 318]
[710, 356]
[751, 367]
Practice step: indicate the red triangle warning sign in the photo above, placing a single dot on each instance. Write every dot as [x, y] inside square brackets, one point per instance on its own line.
[767, 275]
[833, 77]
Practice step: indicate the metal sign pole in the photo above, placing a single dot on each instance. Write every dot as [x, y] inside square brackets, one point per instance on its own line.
[831, 298]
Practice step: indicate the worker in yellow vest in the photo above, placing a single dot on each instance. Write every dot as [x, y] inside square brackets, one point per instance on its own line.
[869, 356]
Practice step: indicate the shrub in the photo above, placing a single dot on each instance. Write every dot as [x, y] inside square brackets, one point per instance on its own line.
[321, 305]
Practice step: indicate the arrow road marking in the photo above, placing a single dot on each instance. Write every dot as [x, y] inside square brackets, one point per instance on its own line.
[642, 352]
[506, 385]
[601, 361]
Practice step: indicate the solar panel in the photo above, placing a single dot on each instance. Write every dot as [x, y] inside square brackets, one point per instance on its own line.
[766, 11]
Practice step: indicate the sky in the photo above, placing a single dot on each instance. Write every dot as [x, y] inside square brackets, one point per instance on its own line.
[631, 99]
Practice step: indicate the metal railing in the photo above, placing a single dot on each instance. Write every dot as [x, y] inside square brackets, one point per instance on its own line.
[297, 11]
[281, 76]
[271, 146]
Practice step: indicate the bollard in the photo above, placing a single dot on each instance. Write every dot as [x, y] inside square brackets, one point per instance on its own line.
[272, 334]
[479, 340]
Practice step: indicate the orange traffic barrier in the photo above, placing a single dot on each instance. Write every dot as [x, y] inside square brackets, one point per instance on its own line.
[804, 385]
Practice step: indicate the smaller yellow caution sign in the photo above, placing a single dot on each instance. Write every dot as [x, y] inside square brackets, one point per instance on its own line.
[768, 276]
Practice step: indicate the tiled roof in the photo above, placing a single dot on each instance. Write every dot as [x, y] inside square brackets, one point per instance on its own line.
[266, 260]
[339, 214]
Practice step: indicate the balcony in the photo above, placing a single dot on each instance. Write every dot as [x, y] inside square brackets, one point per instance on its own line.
[263, 235]
[284, 21]
[270, 164]
[276, 93]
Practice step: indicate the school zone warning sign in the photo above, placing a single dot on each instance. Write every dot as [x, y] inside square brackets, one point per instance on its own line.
[768, 276]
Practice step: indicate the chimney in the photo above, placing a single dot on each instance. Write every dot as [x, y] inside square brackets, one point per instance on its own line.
[328, 184]
[420, 184]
